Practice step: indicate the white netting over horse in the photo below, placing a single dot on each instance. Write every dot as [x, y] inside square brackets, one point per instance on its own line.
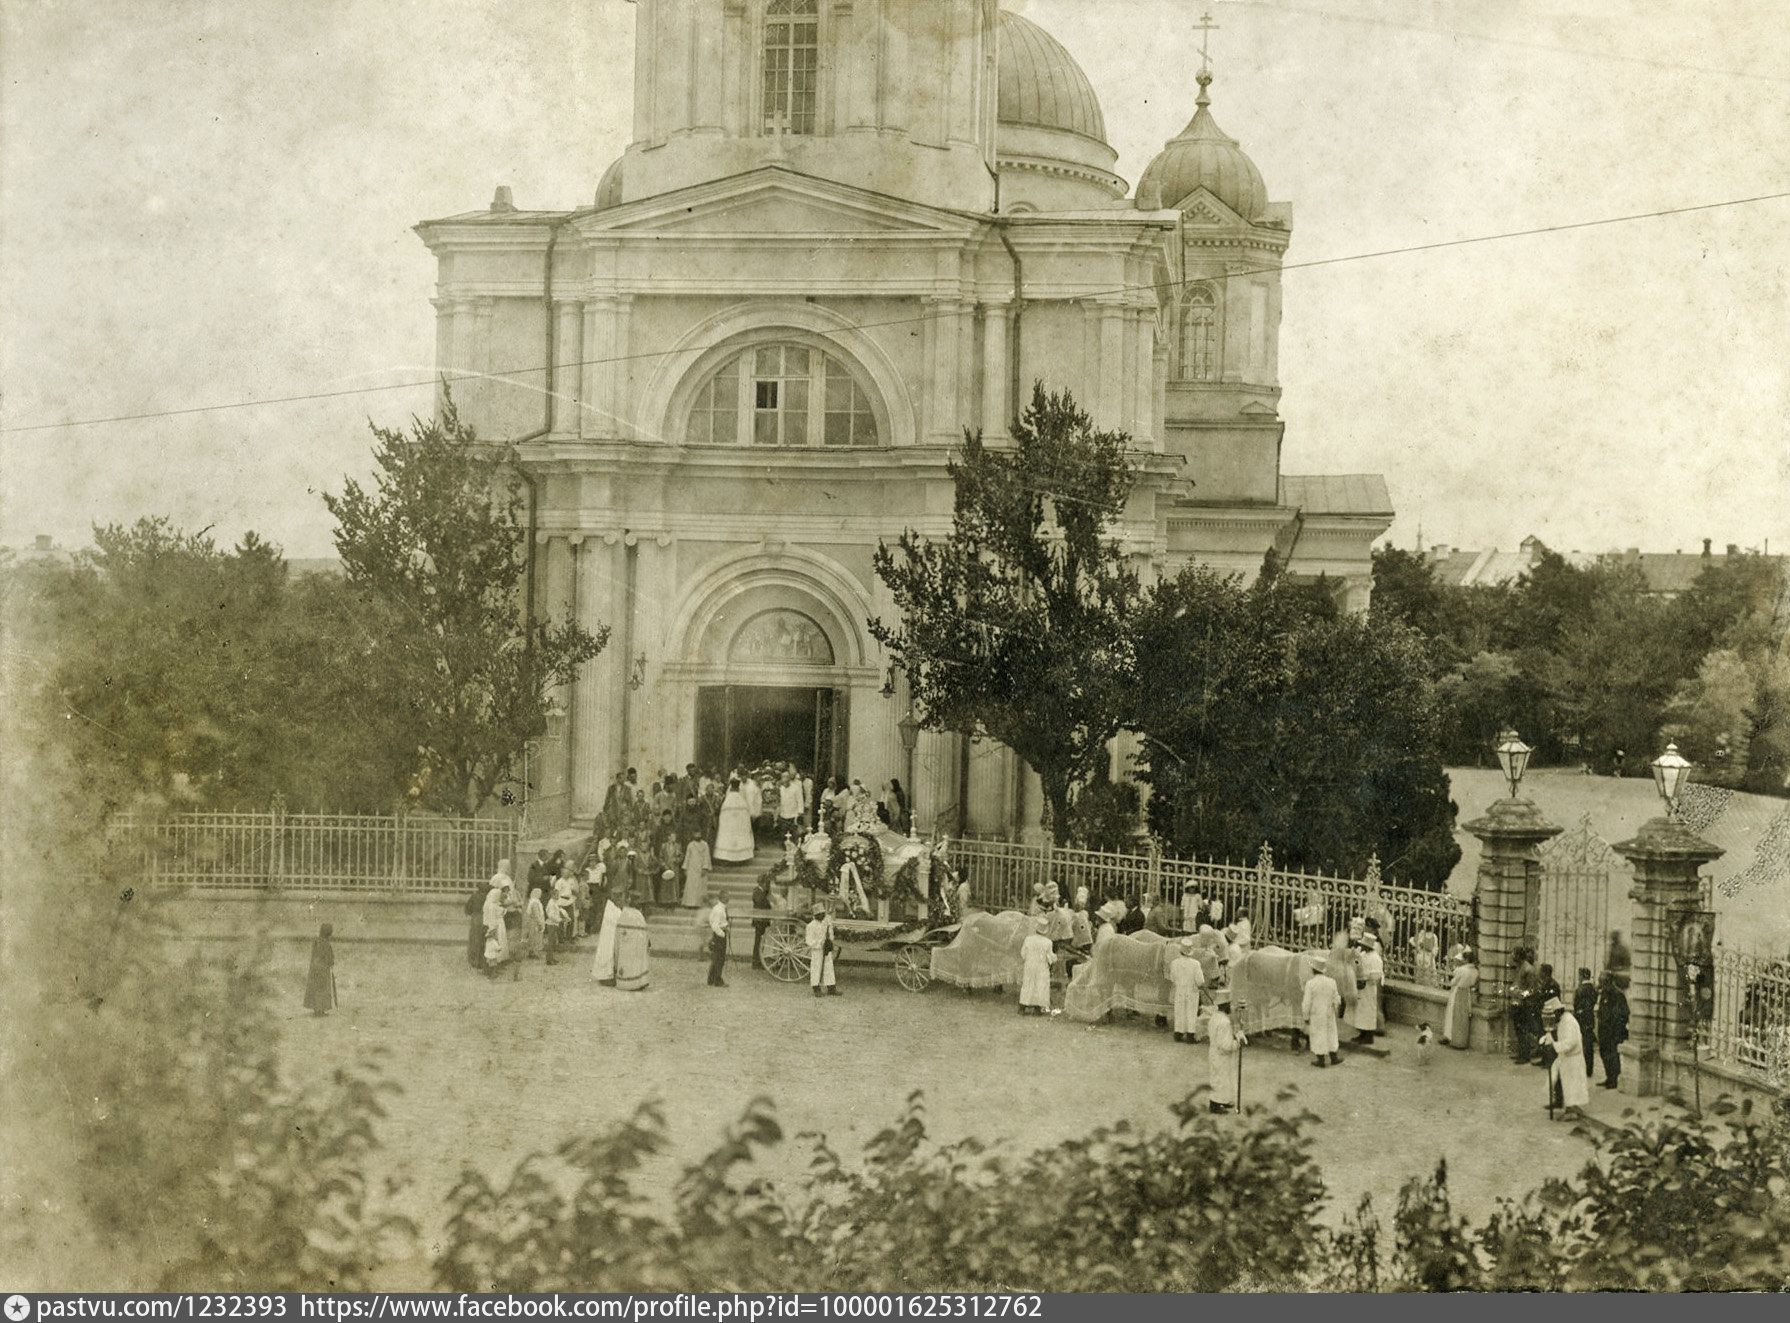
[1126, 973]
[1269, 986]
[985, 952]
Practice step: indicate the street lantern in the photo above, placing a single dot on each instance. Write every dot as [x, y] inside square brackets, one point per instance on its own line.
[1513, 757]
[909, 727]
[910, 731]
[1669, 772]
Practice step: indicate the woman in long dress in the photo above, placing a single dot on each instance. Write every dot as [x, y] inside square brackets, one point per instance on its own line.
[1221, 1059]
[1366, 1013]
[733, 837]
[631, 947]
[1457, 1018]
[320, 986]
[497, 941]
[1038, 954]
[696, 872]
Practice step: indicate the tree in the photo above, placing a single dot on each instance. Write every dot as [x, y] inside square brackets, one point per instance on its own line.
[440, 539]
[1018, 624]
[1270, 716]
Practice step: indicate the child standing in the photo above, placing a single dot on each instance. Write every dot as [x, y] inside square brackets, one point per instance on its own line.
[320, 987]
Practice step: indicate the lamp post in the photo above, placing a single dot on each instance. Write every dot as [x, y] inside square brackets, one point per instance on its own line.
[910, 739]
[1513, 758]
[1670, 771]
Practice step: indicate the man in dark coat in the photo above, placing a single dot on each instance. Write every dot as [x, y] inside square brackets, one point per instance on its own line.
[1612, 1025]
[1524, 1009]
[475, 933]
[761, 900]
[1584, 1010]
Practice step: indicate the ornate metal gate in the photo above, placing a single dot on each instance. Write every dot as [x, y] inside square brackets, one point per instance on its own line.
[1582, 881]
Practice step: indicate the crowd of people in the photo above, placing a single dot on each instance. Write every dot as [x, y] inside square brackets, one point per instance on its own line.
[1563, 1038]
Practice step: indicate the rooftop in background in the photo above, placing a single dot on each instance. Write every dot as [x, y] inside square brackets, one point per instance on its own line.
[1668, 573]
[1336, 493]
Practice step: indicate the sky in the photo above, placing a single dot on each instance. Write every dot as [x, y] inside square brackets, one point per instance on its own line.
[209, 202]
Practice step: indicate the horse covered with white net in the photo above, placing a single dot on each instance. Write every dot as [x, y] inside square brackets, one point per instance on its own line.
[1125, 973]
[985, 952]
[1268, 988]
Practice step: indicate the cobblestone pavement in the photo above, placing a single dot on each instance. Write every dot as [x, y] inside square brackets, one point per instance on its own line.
[494, 1070]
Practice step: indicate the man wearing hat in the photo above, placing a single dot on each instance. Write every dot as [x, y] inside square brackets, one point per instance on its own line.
[1187, 976]
[819, 938]
[1566, 1072]
[1321, 1005]
[717, 937]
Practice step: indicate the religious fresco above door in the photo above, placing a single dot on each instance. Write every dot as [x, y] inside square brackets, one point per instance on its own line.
[781, 637]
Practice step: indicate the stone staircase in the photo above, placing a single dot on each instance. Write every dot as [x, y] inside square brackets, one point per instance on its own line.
[734, 881]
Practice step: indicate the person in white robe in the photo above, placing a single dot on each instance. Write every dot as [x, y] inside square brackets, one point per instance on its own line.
[1188, 977]
[602, 965]
[1457, 1016]
[1365, 1015]
[1320, 1007]
[1567, 1071]
[632, 945]
[754, 796]
[1037, 955]
[696, 872]
[733, 833]
[1221, 1059]
[819, 939]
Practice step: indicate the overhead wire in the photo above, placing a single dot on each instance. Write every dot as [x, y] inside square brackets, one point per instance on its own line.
[508, 375]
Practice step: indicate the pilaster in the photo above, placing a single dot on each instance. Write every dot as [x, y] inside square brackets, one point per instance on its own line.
[1667, 857]
[1507, 898]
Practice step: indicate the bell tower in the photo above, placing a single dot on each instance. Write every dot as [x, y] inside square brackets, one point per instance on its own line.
[1223, 393]
[891, 95]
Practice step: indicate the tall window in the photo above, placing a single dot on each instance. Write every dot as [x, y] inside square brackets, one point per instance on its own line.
[781, 395]
[791, 64]
[1199, 335]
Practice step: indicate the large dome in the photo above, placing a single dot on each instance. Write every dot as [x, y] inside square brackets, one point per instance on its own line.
[1041, 85]
[1202, 156]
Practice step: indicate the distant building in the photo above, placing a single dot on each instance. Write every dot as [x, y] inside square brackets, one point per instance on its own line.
[43, 548]
[1668, 573]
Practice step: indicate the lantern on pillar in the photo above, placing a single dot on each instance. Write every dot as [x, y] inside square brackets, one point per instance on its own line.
[1670, 772]
[1513, 758]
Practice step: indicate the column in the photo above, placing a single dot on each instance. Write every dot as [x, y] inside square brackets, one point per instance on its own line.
[1507, 895]
[1666, 857]
[943, 323]
[568, 350]
[547, 770]
[1110, 395]
[595, 748]
[654, 728]
[621, 372]
[591, 423]
[997, 412]
[459, 367]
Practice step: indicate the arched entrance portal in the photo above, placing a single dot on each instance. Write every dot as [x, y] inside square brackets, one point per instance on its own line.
[786, 709]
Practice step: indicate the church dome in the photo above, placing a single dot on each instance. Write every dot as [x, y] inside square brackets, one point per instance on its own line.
[609, 187]
[1202, 156]
[1041, 85]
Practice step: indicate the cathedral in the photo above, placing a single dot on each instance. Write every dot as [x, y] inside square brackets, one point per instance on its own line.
[843, 232]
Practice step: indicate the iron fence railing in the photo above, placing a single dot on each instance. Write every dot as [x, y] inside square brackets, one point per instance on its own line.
[1294, 910]
[324, 852]
[1750, 1029]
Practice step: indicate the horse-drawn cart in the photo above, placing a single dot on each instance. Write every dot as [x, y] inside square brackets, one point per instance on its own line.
[785, 947]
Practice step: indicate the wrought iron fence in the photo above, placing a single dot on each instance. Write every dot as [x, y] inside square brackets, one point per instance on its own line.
[1294, 910]
[329, 852]
[1751, 1025]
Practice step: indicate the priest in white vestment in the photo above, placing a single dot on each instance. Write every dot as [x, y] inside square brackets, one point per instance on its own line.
[733, 833]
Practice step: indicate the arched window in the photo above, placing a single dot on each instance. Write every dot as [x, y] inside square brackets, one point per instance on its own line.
[791, 64]
[781, 395]
[1199, 335]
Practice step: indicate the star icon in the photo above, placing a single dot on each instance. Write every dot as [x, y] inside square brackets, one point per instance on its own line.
[18, 1309]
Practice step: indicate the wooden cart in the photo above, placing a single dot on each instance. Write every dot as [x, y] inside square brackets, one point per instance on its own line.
[785, 947]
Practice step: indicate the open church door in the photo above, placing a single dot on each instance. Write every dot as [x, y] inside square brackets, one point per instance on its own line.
[839, 747]
[711, 728]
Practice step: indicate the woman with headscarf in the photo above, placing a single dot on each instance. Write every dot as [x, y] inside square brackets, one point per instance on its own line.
[733, 836]
[1037, 955]
[1457, 1017]
[631, 948]
[497, 942]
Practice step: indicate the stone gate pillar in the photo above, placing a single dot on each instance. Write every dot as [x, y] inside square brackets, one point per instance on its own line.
[1507, 898]
[1666, 856]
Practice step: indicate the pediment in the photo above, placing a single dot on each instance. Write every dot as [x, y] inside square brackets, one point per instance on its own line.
[1203, 208]
[773, 201]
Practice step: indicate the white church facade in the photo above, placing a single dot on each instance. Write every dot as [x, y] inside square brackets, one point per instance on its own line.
[846, 230]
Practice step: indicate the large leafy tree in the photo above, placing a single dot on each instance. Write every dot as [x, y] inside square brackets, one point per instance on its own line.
[1270, 716]
[439, 539]
[1017, 625]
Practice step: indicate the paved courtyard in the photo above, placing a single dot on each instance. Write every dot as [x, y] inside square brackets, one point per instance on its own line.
[494, 1070]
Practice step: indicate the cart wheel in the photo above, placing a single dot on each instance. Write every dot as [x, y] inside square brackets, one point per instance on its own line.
[786, 951]
[913, 966]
